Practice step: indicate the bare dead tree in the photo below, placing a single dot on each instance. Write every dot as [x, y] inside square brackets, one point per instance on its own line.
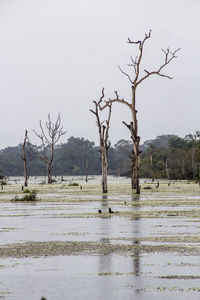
[135, 82]
[24, 157]
[104, 141]
[49, 137]
[86, 168]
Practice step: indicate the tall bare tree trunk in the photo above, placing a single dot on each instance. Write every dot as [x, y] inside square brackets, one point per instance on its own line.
[135, 174]
[136, 142]
[104, 168]
[135, 159]
[86, 169]
[27, 169]
[25, 174]
[135, 155]
[49, 174]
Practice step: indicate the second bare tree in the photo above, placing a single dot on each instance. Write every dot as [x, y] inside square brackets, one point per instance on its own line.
[103, 127]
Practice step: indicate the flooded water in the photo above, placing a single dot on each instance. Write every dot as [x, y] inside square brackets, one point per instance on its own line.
[155, 218]
[99, 277]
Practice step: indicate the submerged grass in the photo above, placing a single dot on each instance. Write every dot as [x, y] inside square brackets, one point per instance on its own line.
[178, 238]
[168, 201]
[160, 289]
[116, 191]
[29, 196]
[56, 248]
[172, 197]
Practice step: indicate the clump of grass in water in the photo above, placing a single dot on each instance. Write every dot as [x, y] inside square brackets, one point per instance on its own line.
[147, 187]
[3, 182]
[26, 191]
[30, 196]
[73, 184]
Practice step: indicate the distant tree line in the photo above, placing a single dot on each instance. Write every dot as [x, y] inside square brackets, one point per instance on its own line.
[71, 158]
[173, 158]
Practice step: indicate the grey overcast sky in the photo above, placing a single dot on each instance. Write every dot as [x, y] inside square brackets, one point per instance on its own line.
[56, 55]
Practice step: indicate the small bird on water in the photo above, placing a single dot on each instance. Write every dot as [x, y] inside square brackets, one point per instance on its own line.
[110, 211]
[99, 211]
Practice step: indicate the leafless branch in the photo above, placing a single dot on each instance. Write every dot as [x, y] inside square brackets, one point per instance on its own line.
[137, 61]
[119, 100]
[108, 143]
[134, 63]
[99, 103]
[126, 74]
[128, 126]
[169, 56]
[132, 42]
[147, 36]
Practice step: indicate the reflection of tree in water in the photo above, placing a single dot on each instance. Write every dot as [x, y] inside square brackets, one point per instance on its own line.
[137, 259]
[104, 198]
[105, 226]
[136, 236]
[104, 205]
[105, 261]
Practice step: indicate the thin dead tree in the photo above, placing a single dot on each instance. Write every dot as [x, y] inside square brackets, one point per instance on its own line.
[86, 168]
[104, 141]
[24, 156]
[49, 137]
[135, 82]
